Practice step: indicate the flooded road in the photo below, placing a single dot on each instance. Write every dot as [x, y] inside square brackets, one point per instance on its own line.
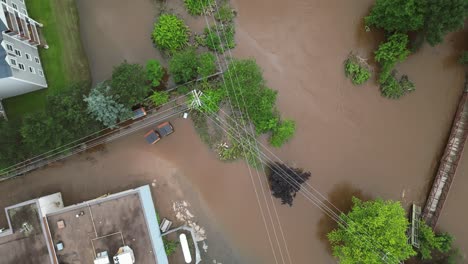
[352, 140]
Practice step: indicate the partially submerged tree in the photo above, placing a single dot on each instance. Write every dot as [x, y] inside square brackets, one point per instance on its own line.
[184, 66]
[286, 181]
[154, 72]
[389, 53]
[170, 33]
[430, 242]
[104, 106]
[128, 84]
[397, 15]
[374, 230]
[442, 17]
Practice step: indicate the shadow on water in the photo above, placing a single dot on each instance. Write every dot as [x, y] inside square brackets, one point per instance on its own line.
[340, 197]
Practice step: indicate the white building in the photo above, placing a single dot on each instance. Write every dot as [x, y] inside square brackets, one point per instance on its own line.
[20, 66]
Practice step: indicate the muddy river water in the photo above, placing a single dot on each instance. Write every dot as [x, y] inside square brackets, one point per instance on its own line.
[353, 141]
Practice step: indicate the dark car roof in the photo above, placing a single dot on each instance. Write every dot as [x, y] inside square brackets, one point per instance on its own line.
[165, 129]
[152, 136]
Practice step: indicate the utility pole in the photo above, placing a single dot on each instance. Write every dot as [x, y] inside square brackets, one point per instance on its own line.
[196, 102]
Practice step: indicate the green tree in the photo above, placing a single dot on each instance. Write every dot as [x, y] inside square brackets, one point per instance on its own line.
[184, 66]
[225, 13]
[430, 242]
[170, 33]
[256, 99]
[207, 65]
[128, 84]
[373, 228]
[159, 98]
[198, 7]
[391, 52]
[442, 17]
[65, 119]
[463, 60]
[397, 15]
[220, 38]
[154, 72]
[10, 143]
[104, 106]
[283, 132]
[211, 99]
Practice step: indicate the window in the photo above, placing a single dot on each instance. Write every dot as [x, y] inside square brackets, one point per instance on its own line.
[28, 56]
[41, 73]
[21, 66]
[24, 11]
[9, 47]
[13, 62]
[14, 6]
[37, 60]
[18, 52]
[32, 70]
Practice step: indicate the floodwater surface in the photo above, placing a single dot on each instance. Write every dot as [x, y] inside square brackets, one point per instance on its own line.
[352, 140]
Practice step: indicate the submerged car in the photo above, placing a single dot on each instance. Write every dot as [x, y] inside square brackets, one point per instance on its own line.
[162, 130]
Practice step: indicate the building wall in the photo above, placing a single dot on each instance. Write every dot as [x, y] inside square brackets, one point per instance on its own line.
[10, 87]
[25, 51]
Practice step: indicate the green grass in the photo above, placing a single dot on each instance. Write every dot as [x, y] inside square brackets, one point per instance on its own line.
[64, 62]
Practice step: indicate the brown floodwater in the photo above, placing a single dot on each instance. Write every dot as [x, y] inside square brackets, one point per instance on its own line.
[352, 140]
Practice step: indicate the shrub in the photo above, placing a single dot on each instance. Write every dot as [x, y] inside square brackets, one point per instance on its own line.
[464, 58]
[170, 246]
[128, 84]
[154, 72]
[159, 98]
[198, 7]
[207, 65]
[283, 132]
[220, 38]
[184, 66]
[389, 53]
[394, 89]
[225, 14]
[430, 242]
[358, 73]
[170, 33]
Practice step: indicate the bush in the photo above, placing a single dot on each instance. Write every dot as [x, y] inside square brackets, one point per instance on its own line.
[464, 58]
[283, 132]
[430, 242]
[225, 14]
[184, 66]
[128, 84]
[220, 38]
[170, 246]
[198, 7]
[170, 33]
[159, 98]
[207, 65]
[154, 72]
[389, 53]
[394, 89]
[357, 72]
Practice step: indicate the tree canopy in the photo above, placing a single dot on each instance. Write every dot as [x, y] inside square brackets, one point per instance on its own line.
[442, 17]
[389, 53]
[184, 66]
[286, 181]
[104, 106]
[374, 229]
[397, 15]
[154, 72]
[170, 33]
[128, 84]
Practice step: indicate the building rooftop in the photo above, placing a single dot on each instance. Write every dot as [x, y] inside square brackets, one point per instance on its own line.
[78, 233]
